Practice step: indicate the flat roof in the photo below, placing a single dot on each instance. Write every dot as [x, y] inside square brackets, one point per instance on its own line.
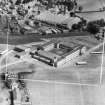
[50, 42]
[51, 55]
[70, 44]
[48, 54]
[59, 52]
[75, 49]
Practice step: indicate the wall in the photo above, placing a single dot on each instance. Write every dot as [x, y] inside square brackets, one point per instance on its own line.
[27, 50]
[68, 58]
[83, 50]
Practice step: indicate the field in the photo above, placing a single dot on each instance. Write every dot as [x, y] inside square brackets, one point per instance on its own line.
[67, 85]
[70, 85]
[92, 5]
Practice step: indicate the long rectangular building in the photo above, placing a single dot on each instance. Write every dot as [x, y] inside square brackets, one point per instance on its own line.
[59, 53]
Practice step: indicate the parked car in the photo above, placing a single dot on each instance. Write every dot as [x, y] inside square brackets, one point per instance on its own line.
[53, 30]
[59, 31]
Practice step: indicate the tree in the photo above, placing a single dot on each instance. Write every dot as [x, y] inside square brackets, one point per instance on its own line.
[70, 5]
[80, 25]
[27, 22]
[26, 1]
[92, 28]
[84, 22]
[101, 22]
[72, 14]
[22, 31]
[18, 2]
[12, 7]
[80, 8]
[75, 27]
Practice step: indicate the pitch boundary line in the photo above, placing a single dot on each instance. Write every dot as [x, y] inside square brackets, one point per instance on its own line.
[61, 83]
[102, 62]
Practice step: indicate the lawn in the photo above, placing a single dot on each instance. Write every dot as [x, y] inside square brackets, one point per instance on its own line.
[18, 39]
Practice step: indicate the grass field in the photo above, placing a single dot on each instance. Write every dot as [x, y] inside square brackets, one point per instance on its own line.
[91, 5]
[25, 39]
[71, 85]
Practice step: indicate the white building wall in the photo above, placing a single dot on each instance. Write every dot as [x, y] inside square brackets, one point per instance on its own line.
[68, 58]
[61, 62]
[83, 50]
[73, 55]
[27, 50]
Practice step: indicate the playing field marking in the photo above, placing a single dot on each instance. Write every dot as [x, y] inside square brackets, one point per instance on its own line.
[81, 93]
[102, 62]
[11, 64]
[5, 52]
[7, 47]
[61, 83]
